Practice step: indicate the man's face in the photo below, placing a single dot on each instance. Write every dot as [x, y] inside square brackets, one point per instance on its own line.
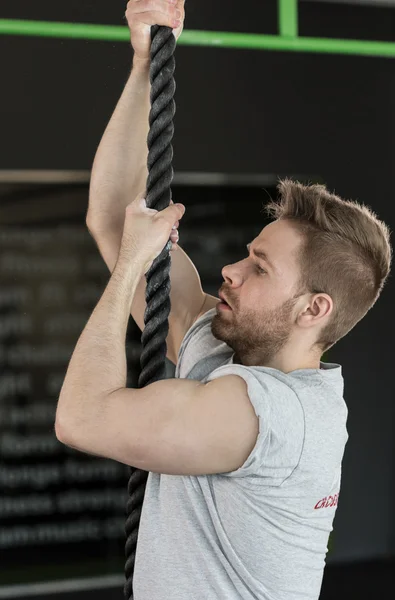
[261, 293]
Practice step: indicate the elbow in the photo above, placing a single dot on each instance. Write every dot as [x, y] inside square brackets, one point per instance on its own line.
[62, 426]
[103, 227]
[92, 224]
[64, 437]
[60, 432]
[96, 221]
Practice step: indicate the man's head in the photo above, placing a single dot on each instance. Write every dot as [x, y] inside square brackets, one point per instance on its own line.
[307, 280]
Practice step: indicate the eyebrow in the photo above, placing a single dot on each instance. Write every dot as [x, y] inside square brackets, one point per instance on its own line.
[261, 254]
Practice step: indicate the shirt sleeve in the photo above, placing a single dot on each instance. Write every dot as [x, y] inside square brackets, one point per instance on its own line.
[198, 346]
[280, 439]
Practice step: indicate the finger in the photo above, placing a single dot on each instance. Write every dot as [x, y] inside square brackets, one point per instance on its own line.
[154, 13]
[139, 6]
[171, 214]
[181, 208]
[174, 239]
[159, 19]
[174, 236]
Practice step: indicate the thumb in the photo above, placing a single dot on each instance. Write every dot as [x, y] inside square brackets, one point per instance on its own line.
[172, 214]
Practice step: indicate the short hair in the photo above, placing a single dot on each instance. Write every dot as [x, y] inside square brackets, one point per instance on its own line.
[346, 252]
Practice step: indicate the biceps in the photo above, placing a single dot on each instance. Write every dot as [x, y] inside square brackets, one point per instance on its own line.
[186, 297]
[197, 429]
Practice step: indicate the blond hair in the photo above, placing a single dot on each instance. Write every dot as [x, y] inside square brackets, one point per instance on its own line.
[346, 252]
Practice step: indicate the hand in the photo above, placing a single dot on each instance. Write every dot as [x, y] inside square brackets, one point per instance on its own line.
[147, 231]
[141, 14]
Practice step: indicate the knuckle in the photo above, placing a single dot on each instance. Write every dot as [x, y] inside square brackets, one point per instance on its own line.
[131, 7]
[129, 15]
[153, 10]
[163, 217]
[162, 6]
[155, 5]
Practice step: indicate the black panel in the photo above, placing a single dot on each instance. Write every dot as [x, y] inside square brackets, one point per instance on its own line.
[348, 21]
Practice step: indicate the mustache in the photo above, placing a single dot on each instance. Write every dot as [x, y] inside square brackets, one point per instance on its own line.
[227, 294]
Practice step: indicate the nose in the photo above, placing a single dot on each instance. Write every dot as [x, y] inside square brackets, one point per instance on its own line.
[233, 275]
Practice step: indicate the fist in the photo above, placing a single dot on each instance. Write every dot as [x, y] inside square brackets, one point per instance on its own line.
[147, 231]
[142, 14]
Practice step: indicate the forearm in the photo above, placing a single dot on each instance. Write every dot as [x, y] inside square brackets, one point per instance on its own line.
[119, 170]
[98, 364]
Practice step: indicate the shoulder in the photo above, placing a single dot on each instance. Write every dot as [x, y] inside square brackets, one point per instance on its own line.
[200, 352]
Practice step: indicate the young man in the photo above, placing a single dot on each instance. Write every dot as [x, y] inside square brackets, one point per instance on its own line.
[244, 446]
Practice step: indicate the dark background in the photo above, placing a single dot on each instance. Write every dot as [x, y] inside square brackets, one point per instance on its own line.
[330, 118]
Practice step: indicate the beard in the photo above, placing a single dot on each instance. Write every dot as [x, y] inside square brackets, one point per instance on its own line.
[255, 336]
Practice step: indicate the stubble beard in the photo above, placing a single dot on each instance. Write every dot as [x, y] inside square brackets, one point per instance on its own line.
[255, 336]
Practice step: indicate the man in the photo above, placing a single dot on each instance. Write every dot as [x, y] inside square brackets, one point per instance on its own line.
[244, 446]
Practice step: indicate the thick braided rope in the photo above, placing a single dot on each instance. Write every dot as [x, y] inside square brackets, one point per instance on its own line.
[158, 196]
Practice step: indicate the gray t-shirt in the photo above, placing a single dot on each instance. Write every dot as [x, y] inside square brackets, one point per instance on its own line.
[260, 532]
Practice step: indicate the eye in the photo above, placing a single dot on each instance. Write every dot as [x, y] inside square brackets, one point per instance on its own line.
[260, 269]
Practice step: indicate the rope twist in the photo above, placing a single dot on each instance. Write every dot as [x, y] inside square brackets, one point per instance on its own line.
[158, 196]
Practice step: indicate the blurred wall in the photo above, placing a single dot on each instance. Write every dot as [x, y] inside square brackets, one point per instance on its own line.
[248, 112]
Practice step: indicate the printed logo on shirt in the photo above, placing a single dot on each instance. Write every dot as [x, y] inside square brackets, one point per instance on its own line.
[327, 502]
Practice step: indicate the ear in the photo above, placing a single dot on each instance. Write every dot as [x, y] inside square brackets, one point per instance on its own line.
[318, 308]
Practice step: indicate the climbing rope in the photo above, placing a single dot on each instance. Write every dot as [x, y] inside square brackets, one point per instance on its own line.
[158, 196]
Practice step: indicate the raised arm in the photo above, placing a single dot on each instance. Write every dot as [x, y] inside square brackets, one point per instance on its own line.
[120, 173]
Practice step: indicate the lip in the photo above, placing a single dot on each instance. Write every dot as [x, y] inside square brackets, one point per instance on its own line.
[223, 298]
[220, 294]
[223, 306]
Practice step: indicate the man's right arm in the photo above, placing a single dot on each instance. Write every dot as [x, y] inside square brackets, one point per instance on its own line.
[119, 173]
